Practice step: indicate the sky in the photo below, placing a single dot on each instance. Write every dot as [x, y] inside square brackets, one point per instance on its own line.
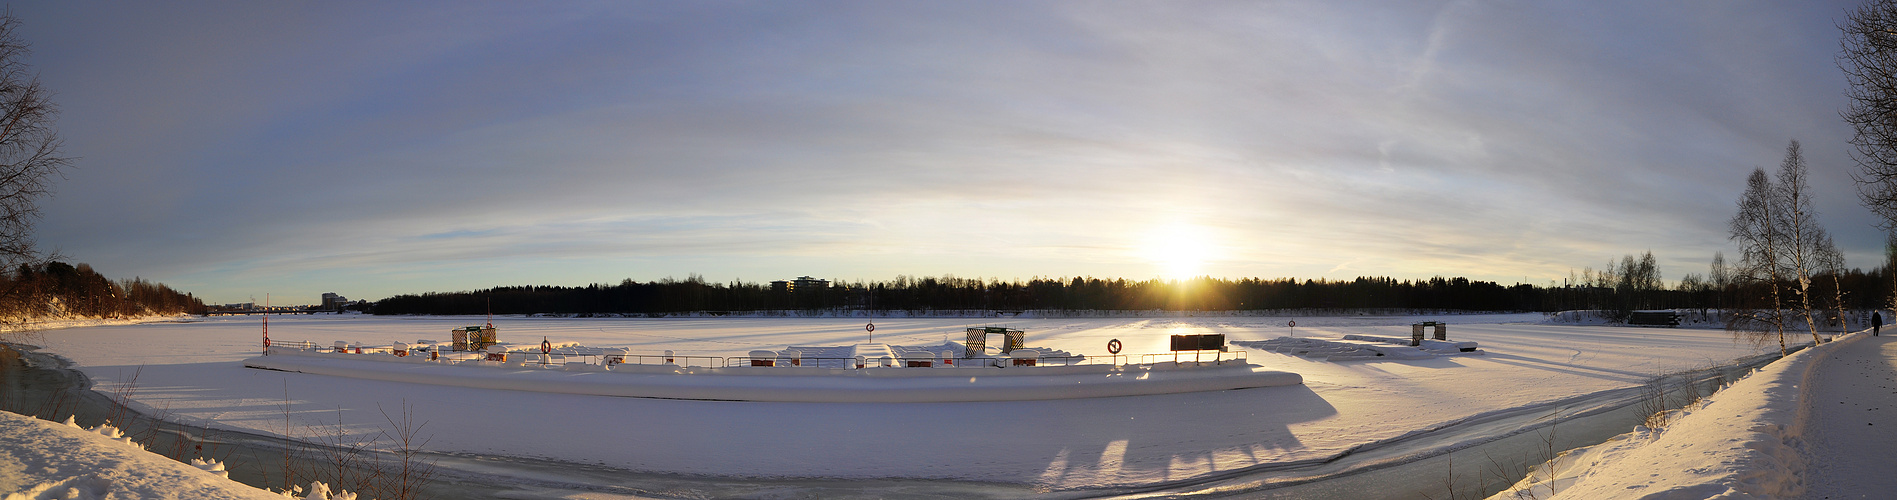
[239, 150]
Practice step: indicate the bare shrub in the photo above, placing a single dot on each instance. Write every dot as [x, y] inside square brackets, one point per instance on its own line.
[1653, 405]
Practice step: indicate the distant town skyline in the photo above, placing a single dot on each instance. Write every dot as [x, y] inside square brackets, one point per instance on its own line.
[234, 149]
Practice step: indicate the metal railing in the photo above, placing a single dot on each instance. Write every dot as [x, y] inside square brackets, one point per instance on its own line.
[861, 363]
[664, 359]
[1199, 357]
[1181, 357]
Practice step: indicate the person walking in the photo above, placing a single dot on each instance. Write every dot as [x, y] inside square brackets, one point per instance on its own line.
[1877, 321]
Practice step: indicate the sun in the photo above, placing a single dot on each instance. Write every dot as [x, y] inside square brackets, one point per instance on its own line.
[1178, 251]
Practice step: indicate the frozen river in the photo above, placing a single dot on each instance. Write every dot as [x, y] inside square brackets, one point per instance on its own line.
[191, 372]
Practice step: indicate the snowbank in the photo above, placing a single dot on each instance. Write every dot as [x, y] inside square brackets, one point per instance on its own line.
[41, 459]
[60, 323]
[1743, 442]
[1359, 347]
[1431, 345]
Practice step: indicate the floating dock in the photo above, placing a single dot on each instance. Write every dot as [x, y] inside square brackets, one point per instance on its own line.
[799, 374]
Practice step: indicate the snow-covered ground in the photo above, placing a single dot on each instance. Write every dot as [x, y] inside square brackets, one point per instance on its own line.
[47, 460]
[192, 372]
[1849, 418]
[27, 330]
[1812, 425]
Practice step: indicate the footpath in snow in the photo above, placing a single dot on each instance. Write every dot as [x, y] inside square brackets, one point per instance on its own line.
[1851, 421]
[1819, 424]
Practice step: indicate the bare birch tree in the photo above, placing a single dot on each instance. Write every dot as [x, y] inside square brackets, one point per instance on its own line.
[1799, 222]
[1831, 261]
[1757, 273]
[1780, 243]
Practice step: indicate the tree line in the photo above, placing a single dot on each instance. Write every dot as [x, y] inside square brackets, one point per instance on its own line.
[1632, 283]
[57, 289]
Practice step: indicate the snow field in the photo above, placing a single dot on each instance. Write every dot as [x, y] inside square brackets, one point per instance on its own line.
[193, 373]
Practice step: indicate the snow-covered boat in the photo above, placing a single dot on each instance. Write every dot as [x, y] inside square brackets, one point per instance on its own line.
[859, 373]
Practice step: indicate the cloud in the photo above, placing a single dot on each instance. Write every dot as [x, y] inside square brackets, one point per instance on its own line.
[392, 149]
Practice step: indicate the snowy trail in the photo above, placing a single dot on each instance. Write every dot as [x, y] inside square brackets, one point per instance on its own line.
[1851, 427]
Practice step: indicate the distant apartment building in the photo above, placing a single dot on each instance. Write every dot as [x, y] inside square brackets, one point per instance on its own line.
[809, 284]
[332, 302]
[803, 283]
